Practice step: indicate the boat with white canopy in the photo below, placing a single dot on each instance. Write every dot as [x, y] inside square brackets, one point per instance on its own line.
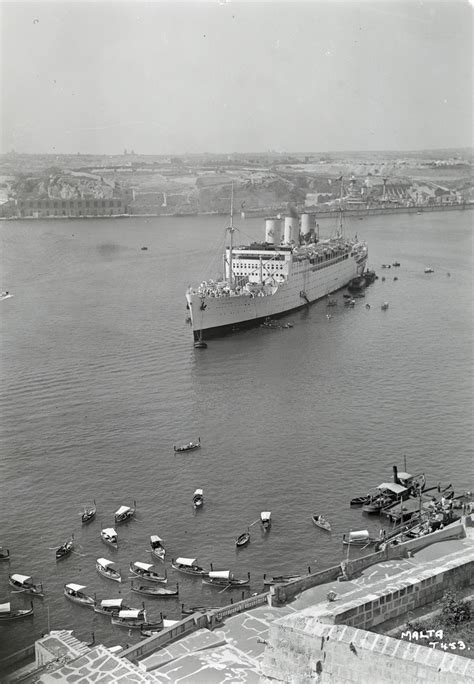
[385, 495]
[225, 578]
[157, 547]
[266, 519]
[6, 612]
[109, 536]
[189, 566]
[125, 513]
[25, 584]
[147, 571]
[110, 606]
[130, 618]
[359, 538]
[107, 569]
[198, 498]
[74, 592]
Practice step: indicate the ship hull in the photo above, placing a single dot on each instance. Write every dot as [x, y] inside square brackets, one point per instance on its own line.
[216, 316]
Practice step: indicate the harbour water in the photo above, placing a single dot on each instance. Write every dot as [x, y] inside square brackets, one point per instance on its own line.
[100, 379]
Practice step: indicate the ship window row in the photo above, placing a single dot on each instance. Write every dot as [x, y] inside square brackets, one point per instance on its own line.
[264, 265]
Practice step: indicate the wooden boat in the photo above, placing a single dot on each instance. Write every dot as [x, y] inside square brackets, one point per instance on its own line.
[6, 612]
[147, 571]
[157, 547]
[125, 513]
[89, 513]
[385, 495]
[225, 578]
[187, 447]
[4, 554]
[360, 500]
[243, 539]
[110, 606]
[74, 593]
[160, 592]
[110, 537]
[194, 609]
[106, 568]
[319, 521]
[266, 520]
[359, 538]
[198, 498]
[384, 306]
[188, 566]
[25, 583]
[280, 579]
[65, 549]
[130, 618]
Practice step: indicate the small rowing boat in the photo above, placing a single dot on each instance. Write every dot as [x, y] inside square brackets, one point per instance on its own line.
[161, 592]
[157, 547]
[125, 513]
[225, 578]
[130, 618]
[280, 579]
[266, 520]
[106, 568]
[110, 606]
[194, 609]
[243, 539]
[110, 537]
[147, 571]
[89, 513]
[321, 522]
[187, 447]
[198, 498]
[188, 566]
[25, 584]
[6, 612]
[65, 549]
[4, 554]
[74, 592]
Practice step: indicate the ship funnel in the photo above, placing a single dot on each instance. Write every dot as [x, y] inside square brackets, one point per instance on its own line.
[272, 231]
[291, 230]
[306, 224]
[395, 475]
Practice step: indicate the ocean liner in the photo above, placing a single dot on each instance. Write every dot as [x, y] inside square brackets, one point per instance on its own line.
[293, 267]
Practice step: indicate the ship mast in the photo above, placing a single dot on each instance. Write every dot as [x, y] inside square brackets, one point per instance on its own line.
[231, 230]
[340, 207]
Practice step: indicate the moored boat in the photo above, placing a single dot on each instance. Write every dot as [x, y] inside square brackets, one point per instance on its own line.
[110, 606]
[89, 513]
[160, 592]
[321, 522]
[243, 539]
[266, 520]
[125, 513]
[6, 612]
[147, 571]
[225, 578]
[157, 547]
[25, 584]
[360, 500]
[65, 549]
[130, 618]
[188, 566]
[4, 554]
[110, 537]
[198, 498]
[188, 447]
[280, 579]
[106, 568]
[384, 306]
[74, 592]
[385, 495]
[359, 538]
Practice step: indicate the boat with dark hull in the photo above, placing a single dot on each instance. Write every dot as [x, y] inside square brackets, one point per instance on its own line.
[280, 579]
[7, 613]
[159, 592]
[75, 593]
[225, 578]
[125, 513]
[4, 554]
[187, 447]
[147, 572]
[243, 539]
[157, 548]
[89, 514]
[188, 566]
[65, 549]
[107, 569]
[24, 583]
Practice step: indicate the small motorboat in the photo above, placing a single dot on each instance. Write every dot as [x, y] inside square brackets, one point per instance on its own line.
[157, 547]
[321, 522]
[110, 537]
[188, 566]
[6, 612]
[25, 584]
[160, 592]
[65, 549]
[266, 520]
[428, 269]
[106, 568]
[130, 618]
[243, 539]
[384, 306]
[110, 606]
[147, 571]
[4, 554]
[225, 578]
[198, 498]
[89, 513]
[74, 592]
[188, 447]
[396, 263]
[125, 513]
[359, 538]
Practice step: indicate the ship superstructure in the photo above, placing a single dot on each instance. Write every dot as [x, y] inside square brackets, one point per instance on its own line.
[293, 267]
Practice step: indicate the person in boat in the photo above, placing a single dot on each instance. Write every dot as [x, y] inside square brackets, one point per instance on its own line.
[321, 519]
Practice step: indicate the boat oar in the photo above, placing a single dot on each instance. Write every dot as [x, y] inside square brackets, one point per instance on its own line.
[254, 522]
[226, 587]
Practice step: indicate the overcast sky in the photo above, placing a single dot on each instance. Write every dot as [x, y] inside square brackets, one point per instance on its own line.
[176, 77]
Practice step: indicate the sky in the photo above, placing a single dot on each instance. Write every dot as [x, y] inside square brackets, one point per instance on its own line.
[98, 77]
